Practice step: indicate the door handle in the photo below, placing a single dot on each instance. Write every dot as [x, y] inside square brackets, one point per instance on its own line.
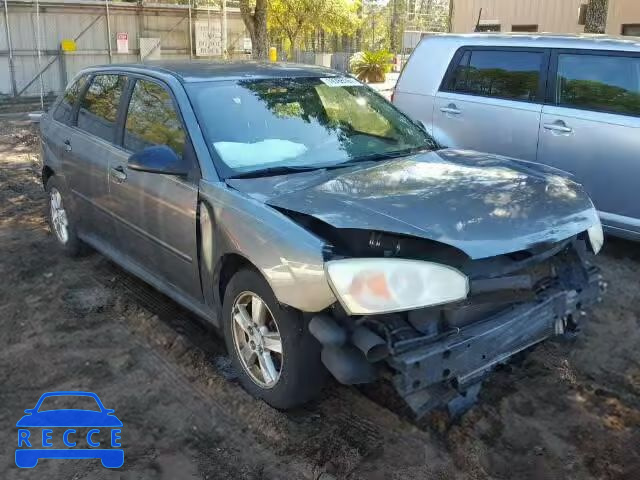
[119, 174]
[451, 109]
[67, 145]
[559, 127]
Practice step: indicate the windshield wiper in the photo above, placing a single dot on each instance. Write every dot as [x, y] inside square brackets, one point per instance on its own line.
[386, 155]
[272, 171]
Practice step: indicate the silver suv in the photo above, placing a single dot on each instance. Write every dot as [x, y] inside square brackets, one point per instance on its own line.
[317, 226]
[569, 102]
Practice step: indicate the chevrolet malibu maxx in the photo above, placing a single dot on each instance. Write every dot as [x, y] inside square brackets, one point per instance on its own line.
[318, 227]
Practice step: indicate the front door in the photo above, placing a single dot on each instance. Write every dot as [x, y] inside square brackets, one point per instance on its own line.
[155, 213]
[592, 129]
[491, 101]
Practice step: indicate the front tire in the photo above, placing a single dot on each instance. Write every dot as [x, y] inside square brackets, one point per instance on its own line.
[270, 346]
[61, 223]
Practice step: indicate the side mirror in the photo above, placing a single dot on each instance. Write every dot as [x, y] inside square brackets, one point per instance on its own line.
[157, 159]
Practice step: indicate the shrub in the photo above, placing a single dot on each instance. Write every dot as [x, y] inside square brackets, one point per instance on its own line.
[371, 67]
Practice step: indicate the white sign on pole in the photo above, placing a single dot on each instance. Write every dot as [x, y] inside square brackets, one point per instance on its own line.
[246, 44]
[122, 42]
[208, 37]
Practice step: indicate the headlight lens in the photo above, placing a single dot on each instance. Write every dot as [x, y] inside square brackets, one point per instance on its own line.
[596, 236]
[382, 285]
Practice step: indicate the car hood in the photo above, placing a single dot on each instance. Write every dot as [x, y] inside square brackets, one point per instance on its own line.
[69, 418]
[484, 205]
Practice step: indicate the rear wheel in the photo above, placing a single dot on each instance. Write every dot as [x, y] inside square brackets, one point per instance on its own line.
[277, 359]
[61, 223]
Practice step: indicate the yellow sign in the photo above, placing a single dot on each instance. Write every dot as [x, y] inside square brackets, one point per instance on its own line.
[273, 54]
[68, 45]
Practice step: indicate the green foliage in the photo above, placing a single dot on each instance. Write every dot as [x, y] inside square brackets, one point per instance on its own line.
[294, 19]
[371, 67]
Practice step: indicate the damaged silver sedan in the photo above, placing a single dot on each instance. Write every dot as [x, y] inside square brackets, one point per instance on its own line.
[318, 227]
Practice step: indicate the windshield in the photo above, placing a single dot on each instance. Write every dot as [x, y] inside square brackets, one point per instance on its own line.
[300, 122]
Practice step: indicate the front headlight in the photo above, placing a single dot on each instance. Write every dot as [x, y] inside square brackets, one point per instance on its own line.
[383, 285]
[596, 237]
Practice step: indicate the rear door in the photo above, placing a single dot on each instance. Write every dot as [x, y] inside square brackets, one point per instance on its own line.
[89, 148]
[155, 213]
[56, 134]
[491, 100]
[591, 128]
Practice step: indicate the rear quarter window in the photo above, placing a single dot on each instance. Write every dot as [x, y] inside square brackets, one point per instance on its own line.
[64, 111]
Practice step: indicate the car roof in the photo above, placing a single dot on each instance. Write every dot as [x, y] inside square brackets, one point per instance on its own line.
[544, 40]
[189, 71]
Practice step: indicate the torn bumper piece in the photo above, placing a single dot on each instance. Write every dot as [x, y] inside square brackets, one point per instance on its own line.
[446, 369]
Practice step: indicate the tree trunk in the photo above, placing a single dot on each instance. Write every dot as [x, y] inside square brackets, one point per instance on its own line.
[596, 21]
[393, 28]
[255, 19]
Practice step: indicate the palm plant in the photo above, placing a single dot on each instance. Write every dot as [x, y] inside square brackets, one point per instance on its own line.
[371, 67]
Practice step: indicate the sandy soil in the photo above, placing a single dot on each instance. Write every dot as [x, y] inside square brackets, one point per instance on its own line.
[565, 410]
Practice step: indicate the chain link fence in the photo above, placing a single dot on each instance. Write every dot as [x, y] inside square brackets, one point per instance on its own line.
[44, 43]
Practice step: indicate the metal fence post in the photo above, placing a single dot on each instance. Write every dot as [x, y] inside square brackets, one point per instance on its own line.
[12, 72]
[190, 34]
[106, 4]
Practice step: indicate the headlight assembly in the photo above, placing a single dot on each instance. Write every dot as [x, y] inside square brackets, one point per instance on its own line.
[596, 237]
[383, 285]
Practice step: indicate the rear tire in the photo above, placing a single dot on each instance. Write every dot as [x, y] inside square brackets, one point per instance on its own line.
[297, 375]
[60, 220]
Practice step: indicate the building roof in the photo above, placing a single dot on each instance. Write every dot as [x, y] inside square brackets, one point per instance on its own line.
[206, 70]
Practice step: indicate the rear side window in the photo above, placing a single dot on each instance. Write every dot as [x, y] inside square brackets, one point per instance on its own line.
[601, 83]
[152, 119]
[99, 106]
[64, 110]
[511, 75]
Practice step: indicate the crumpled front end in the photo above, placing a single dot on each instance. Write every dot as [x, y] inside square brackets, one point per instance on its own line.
[438, 356]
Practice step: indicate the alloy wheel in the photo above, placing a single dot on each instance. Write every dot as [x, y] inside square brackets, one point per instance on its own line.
[257, 339]
[58, 216]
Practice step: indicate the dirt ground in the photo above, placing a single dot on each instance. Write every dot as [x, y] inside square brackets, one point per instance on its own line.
[566, 410]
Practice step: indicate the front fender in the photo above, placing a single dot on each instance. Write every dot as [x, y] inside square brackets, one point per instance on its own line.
[289, 257]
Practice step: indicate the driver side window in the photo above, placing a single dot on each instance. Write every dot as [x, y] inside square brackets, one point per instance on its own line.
[152, 119]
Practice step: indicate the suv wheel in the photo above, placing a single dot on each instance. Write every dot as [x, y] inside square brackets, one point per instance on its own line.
[276, 357]
[60, 222]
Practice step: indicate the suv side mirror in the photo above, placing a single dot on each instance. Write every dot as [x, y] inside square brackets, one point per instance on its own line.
[157, 159]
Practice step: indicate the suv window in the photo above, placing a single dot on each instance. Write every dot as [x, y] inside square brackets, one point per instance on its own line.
[512, 75]
[598, 82]
[152, 119]
[99, 106]
[64, 110]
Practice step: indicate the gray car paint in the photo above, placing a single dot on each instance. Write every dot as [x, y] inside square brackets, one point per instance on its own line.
[479, 209]
[482, 204]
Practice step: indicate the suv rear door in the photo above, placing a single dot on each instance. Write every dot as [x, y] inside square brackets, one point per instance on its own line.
[491, 100]
[591, 128]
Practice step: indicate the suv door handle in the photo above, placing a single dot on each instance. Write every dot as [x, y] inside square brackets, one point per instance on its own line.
[558, 126]
[119, 174]
[451, 109]
[67, 145]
